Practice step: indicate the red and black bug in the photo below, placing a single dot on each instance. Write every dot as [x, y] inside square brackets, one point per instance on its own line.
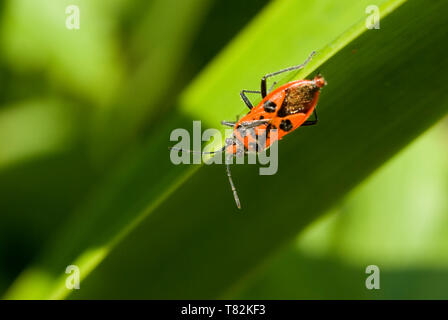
[283, 109]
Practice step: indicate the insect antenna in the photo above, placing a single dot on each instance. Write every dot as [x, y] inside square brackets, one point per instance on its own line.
[235, 194]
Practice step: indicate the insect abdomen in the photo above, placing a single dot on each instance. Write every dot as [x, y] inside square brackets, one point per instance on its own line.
[298, 99]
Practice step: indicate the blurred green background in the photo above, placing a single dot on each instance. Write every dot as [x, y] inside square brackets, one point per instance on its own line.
[77, 104]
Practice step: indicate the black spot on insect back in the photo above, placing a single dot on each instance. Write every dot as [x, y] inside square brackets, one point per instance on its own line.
[269, 106]
[286, 125]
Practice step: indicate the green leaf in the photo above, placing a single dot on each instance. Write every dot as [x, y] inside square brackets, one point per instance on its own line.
[395, 220]
[382, 92]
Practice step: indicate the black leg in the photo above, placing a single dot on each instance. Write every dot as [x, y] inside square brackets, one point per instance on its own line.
[246, 99]
[311, 122]
[300, 66]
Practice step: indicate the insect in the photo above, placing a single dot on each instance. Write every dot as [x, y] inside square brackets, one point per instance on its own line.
[284, 109]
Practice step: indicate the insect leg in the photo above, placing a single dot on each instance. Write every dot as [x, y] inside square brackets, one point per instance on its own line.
[254, 123]
[246, 99]
[311, 122]
[300, 66]
[228, 123]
